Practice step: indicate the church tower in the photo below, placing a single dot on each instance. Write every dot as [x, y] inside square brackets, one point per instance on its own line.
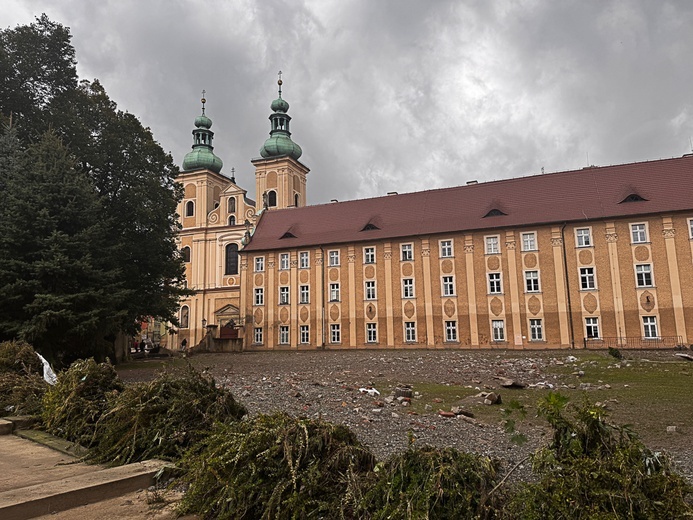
[279, 176]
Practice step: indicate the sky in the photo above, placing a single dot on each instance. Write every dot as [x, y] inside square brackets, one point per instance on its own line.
[396, 95]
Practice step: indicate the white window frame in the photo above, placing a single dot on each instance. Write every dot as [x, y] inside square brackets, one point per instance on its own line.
[187, 204]
[450, 330]
[529, 241]
[639, 233]
[259, 296]
[536, 329]
[649, 327]
[643, 275]
[304, 260]
[284, 295]
[592, 328]
[495, 283]
[304, 334]
[333, 258]
[370, 290]
[371, 332]
[448, 285]
[498, 330]
[283, 334]
[369, 255]
[304, 294]
[335, 333]
[532, 284]
[259, 264]
[408, 288]
[588, 278]
[410, 331]
[258, 336]
[583, 237]
[407, 252]
[492, 244]
[446, 248]
[284, 262]
[334, 292]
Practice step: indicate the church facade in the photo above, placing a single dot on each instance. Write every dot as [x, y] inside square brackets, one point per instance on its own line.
[596, 257]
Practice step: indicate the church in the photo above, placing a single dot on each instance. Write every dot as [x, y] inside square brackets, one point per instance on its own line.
[591, 258]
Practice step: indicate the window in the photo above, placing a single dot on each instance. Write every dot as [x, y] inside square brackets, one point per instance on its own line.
[305, 334]
[638, 233]
[232, 204]
[407, 252]
[450, 331]
[649, 325]
[184, 317]
[335, 333]
[283, 334]
[408, 288]
[643, 275]
[334, 292]
[371, 332]
[498, 330]
[690, 228]
[532, 281]
[304, 260]
[333, 258]
[529, 241]
[494, 283]
[296, 199]
[536, 332]
[190, 209]
[448, 285]
[283, 296]
[583, 237]
[592, 328]
[258, 339]
[369, 255]
[304, 294]
[271, 199]
[370, 290]
[231, 259]
[232, 220]
[185, 254]
[587, 278]
[445, 248]
[492, 245]
[409, 331]
[283, 261]
[259, 296]
[259, 264]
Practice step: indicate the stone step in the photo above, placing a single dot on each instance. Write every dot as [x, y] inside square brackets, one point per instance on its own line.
[70, 492]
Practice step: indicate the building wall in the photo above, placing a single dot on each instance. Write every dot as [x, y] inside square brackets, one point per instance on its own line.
[562, 305]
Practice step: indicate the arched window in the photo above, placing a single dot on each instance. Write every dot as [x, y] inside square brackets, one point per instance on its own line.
[232, 205]
[184, 317]
[232, 220]
[231, 259]
[185, 253]
[189, 208]
[296, 199]
[272, 199]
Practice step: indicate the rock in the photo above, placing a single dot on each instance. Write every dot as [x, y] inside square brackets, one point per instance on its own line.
[245, 393]
[395, 415]
[376, 410]
[492, 398]
[428, 407]
[671, 429]
[404, 391]
[571, 359]
[511, 383]
[389, 399]
[443, 413]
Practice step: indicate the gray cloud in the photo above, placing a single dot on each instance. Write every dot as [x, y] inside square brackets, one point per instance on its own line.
[398, 95]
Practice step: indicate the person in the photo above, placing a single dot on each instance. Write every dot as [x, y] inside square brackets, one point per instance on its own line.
[184, 344]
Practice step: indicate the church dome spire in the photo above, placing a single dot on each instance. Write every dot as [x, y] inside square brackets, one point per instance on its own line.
[202, 156]
[279, 143]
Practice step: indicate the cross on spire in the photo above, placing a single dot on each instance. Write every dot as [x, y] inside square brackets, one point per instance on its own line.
[279, 82]
[203, 101]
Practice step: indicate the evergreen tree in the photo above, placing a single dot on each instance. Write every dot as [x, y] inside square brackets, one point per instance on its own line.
[61, 292]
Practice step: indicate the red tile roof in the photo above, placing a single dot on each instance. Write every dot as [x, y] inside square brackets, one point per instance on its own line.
[587, 194]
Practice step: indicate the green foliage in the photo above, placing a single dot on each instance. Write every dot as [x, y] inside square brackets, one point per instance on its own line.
[433, 483]
[20, 358]
[21, 394]
[81, 395]
[161, 418]
[595, 470]
[274, 467]
[509, 413]
[614, 352]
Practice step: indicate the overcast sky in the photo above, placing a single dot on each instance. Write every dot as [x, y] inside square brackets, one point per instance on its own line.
[397, 95]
